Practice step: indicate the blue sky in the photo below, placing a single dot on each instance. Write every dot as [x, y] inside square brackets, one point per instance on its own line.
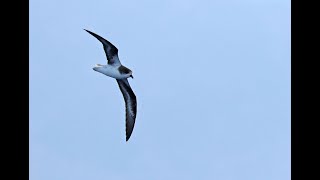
[212, 80]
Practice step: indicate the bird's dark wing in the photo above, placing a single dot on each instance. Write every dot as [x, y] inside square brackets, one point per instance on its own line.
[131, 105]
[110, 50]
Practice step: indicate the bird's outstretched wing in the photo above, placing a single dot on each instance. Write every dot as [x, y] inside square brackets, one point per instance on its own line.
[131, 105]
[110, 50]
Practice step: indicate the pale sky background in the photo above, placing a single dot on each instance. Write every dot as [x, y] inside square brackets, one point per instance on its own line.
[212, 80]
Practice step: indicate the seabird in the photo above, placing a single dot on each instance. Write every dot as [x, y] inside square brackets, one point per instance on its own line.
[116, 70]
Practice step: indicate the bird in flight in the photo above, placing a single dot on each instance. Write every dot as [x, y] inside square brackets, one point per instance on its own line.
[116, 70]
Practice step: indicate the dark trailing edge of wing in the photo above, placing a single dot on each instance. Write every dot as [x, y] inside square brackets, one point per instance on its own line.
[131, 102]
[110, 50]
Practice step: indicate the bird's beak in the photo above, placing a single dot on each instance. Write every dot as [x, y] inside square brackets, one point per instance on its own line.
[131, 76]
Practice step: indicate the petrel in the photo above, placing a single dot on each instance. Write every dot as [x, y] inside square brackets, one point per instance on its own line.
[116, 70]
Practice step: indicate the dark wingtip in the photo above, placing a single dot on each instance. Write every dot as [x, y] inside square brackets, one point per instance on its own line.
[129, 129]
[87, 31]
[101, 39]
[128, 137]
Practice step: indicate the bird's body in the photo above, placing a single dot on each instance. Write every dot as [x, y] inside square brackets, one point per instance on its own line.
[116, 70]
[113, 71]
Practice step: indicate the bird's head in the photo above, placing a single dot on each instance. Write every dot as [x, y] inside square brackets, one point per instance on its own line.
[131, 75]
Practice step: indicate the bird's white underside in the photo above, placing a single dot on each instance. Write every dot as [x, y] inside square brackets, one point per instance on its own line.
[110, 70]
